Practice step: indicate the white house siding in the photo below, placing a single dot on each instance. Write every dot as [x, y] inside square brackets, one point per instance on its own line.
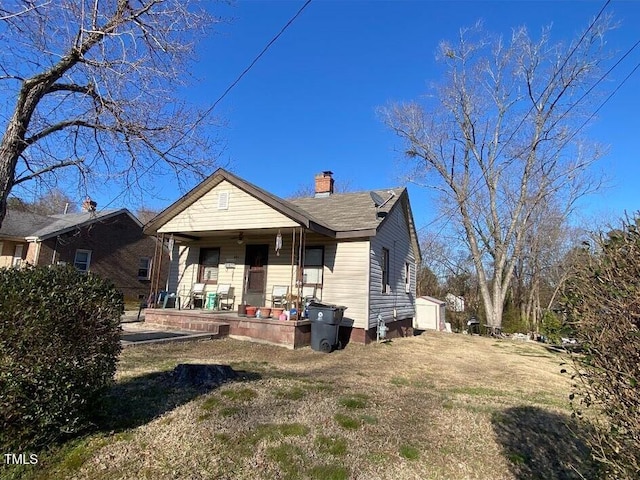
[394, 236]
[244, 211]
[188, 256]
[174, 271]
[345, 278]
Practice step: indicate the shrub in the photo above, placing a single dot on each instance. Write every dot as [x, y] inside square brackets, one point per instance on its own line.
[602, 300]
[552, 327]
[59, 342]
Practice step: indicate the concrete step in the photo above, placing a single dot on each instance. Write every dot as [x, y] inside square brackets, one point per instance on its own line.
[216, 329]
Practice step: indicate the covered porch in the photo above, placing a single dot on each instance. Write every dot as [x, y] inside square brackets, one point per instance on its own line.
[271, 270]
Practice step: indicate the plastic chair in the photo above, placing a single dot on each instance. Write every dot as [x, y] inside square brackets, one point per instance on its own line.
[279, 296]
[197, 293]
[226, 299]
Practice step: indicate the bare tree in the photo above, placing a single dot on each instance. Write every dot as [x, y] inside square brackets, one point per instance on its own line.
[498, 141]
[90, 91]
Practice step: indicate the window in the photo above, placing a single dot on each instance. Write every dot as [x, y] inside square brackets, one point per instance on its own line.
[17, 256]
[82, 260]
[209, 265]
[407, 278]
[144, 268]
[384, 265]
[313, 265]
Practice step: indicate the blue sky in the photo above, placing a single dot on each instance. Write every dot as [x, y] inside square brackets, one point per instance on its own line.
[309, 104]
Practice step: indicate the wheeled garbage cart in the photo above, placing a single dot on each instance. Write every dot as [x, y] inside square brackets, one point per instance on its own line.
[325, 323]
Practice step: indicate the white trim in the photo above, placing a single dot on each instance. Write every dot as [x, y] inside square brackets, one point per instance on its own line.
[75, 259]
[18, 252]
[148, 268]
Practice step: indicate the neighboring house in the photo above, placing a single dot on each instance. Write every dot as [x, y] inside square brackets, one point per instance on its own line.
[430, 314]
[454, 303]
[109, 243]
[358, 250]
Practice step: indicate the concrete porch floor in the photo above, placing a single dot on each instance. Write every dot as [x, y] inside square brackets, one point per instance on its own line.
[291, 334]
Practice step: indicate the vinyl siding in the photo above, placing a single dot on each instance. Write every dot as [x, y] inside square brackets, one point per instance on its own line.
[278, 267]
[244, 211]
[345, 278]
[394, 236]
[345, 273]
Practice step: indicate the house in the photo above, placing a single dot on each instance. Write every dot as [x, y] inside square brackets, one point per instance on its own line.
[430, 314]
[454, 302]
[109, 243]
[357, 250]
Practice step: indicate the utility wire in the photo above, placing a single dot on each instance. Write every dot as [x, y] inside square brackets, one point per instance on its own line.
[224, 94]
[555, 75]
[264, 50]
[476, 186]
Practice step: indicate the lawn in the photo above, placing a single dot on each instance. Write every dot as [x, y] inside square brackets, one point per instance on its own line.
[435, 406]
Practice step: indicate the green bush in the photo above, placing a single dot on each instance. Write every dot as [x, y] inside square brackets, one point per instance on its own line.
[602, 300]
[59, 343]
[552, 327]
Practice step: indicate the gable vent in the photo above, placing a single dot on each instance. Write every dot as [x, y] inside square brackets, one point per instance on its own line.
[223, 201]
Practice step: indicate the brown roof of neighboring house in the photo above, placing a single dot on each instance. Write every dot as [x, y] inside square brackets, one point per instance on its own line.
[20, 225]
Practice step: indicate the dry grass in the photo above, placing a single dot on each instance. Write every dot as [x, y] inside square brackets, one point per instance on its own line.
[431, 407]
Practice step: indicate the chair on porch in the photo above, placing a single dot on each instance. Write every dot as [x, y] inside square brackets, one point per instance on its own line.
[279, 296]
[308, 293]
[226, 300]
[197, 293]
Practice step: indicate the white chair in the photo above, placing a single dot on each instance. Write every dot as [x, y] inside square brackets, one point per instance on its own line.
[279, 296]
[226, 299]
[197, 293]
[308, 293]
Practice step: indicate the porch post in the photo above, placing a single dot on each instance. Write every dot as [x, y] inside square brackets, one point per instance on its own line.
[293, 250]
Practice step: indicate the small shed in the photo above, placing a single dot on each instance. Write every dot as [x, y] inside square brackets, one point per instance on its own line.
[430, 314]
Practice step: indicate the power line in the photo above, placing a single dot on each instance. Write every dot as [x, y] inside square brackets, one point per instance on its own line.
[601, 105]
[264, 50]
[224, 94]
[555, 75]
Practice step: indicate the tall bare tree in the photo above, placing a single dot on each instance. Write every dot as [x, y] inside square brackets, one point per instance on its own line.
[498, 141]
[89, 88]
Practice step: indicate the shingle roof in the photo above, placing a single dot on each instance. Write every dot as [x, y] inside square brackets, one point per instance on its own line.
[25, 224]
[19, 224]
[350, 211]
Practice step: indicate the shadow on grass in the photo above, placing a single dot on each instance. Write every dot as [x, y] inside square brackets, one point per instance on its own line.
[138, 400]
[544, 445]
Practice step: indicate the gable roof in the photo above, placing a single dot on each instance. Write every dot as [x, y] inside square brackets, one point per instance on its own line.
[344, 212]
[284, 207]
[340, 215]
[28, 226]
[18, 224]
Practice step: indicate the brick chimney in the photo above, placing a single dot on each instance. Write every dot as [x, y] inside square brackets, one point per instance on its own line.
[324, 184]
[89, 205]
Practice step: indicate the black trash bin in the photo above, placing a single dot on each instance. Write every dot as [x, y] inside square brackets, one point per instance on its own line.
[325, 323]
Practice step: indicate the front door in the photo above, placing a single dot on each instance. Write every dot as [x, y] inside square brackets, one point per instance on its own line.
[256, 274]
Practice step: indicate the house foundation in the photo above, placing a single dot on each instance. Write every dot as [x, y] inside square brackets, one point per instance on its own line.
[291, 334]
